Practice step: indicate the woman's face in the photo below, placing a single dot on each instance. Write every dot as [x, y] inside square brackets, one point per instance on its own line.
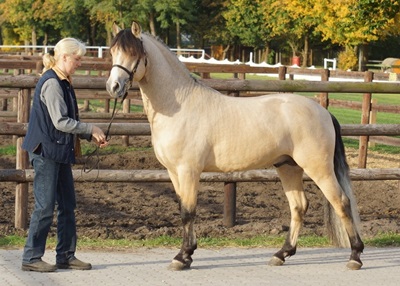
[72, 62]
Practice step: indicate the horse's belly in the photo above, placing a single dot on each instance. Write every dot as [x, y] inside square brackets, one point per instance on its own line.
[247, 159]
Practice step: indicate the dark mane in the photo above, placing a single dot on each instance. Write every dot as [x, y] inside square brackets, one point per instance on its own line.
[128, 43]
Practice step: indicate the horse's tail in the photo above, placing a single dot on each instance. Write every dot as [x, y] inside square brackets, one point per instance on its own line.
[336, 232]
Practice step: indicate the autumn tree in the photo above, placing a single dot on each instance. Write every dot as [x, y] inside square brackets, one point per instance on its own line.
[354, 23]
[20, 15]
[292, 21]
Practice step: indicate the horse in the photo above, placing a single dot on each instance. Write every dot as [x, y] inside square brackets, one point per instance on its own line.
[195, 128]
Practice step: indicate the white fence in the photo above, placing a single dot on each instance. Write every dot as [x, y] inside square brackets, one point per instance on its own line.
[199, 53]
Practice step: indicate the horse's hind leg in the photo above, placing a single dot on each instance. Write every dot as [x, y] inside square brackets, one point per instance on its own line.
[292, 182]
[343, 209]
[186, 187]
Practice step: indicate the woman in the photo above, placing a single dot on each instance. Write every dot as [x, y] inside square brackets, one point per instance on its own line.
[50, 141]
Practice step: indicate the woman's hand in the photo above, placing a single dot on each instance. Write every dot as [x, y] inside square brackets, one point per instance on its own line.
[99, 137]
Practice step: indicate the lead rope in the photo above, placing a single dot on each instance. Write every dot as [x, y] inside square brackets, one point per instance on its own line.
[92, 159]
[95, 152]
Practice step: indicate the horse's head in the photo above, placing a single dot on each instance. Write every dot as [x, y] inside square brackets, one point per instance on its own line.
[128, 59]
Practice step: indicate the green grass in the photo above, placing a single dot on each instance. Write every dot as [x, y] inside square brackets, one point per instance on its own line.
[346, 116]
[95, 105]
[8, 150]
[381, 240]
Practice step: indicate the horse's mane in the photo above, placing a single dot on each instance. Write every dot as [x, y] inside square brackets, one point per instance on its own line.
[128, 43]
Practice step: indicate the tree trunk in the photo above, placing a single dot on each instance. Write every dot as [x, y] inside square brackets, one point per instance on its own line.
[34, 38]
[46, 39]
[305, 52]
[152, 24]
[293, 46]
[362, 57]
[267, 50]
[178, 37]
[225, 51]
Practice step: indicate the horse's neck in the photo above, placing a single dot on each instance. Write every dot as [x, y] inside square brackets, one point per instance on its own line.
[167, 83]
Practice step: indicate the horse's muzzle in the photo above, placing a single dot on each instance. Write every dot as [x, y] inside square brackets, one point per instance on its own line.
[117, 89]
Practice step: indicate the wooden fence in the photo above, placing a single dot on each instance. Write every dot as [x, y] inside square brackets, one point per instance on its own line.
[26, 83]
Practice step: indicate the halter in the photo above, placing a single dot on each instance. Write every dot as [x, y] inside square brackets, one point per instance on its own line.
[130, 73]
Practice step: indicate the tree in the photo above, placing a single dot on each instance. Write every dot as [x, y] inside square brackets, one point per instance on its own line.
[354, 23]
[144, 11]
[20, 15]
[291, 20]
[174, 12]
[245, 21]
[104, 12]
[210, 25]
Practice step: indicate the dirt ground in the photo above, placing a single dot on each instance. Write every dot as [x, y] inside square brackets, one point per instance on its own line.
[148, 210]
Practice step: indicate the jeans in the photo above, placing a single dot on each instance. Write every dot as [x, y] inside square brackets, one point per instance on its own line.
[53, 183]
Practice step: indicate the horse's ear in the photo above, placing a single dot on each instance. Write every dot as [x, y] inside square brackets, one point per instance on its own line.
[136, 29]
[115, 29]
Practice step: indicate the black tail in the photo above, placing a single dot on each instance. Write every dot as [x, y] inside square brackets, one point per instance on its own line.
[335, 229]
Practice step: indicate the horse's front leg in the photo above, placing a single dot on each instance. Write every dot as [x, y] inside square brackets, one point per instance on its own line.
[186, 189]
[183, 259]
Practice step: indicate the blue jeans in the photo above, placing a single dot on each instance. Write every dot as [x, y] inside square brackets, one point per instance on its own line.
[53, 184]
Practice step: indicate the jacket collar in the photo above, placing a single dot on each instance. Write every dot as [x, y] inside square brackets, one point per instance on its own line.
[61, 75]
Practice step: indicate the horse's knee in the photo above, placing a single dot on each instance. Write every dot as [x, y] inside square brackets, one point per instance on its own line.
[187, 216]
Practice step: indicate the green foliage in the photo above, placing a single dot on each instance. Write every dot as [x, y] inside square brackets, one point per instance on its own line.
[245, 21]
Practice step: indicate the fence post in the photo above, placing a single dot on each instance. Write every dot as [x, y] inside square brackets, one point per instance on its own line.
[229, 204]
[323, 97]
[282, 73]
[22, 162]
[372, 118]
[126, 109]
[365, 114]
[230, 188]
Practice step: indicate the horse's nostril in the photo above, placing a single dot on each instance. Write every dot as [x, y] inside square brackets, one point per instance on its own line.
[115, 87]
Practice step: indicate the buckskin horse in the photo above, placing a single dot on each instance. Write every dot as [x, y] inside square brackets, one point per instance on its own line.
[195, 128]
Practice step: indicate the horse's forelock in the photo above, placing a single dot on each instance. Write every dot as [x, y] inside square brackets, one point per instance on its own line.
[129, 44]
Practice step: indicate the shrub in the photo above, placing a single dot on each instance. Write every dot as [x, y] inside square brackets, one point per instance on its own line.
[347, 60]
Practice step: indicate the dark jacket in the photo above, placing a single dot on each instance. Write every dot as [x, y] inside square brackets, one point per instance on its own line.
[42, 137]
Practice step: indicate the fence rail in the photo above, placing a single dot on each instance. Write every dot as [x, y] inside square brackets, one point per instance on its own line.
[238, 85]
[127, 176]
[140, 129]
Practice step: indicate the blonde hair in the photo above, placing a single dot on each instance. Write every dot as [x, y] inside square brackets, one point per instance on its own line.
[66, 46]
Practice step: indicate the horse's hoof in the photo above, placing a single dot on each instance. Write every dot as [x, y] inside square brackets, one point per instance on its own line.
[354, 265]
[178, 266]
[275, 261]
